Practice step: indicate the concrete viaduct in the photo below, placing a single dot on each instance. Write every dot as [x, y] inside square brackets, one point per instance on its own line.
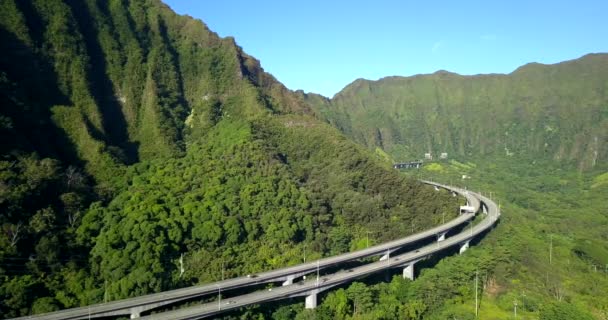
[309, 288]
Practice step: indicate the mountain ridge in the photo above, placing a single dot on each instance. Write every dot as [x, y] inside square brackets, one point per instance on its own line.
[447, 72]
[534, 98]
[134, 139]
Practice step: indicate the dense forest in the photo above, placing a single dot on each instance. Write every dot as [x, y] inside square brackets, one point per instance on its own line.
[132, 137]
[547, 111]
[548, 254]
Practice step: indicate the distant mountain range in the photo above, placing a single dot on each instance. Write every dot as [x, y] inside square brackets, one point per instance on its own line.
[555, 111]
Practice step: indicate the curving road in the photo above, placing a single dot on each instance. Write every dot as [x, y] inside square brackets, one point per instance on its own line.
[328, 281]
[133, 306]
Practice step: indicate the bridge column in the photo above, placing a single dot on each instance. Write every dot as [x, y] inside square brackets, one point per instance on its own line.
[408, 272]
[289, 280]
[311, 300]
[386, 255]
[136, 312]
[464, 246]
[441, 236]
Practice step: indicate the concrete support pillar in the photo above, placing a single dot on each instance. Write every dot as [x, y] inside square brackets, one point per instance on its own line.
[441, 236]
[386, 255]
[464, 247]
[311, 301]
[289, 280]
[136, 312]
[408, 272]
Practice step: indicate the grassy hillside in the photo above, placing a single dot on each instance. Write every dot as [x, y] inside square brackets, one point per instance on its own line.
[131, 136]
[555, 112]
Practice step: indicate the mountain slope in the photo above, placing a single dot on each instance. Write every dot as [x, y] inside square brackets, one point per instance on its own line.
[133, 137]
[536, 140]
[545, 111]
[124, 76]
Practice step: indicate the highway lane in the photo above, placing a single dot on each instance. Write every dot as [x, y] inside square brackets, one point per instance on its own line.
[328, 281]
[121, 307]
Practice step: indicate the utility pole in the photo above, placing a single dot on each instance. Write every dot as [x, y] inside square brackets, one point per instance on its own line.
[367, 238]
[551, 249]
[476, 288]
[304, 253]
[515, 308]
[443, 218]
[222, 269]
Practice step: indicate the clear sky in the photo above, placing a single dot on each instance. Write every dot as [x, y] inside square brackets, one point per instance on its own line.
[323, 45]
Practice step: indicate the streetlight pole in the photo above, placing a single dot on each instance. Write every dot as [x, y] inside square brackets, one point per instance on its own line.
[317, 273]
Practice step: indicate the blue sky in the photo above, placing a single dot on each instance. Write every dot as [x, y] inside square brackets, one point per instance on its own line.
[322, 45]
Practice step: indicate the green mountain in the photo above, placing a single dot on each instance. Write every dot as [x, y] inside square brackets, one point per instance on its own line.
[538, 111]
[131, 136]
[536, 139]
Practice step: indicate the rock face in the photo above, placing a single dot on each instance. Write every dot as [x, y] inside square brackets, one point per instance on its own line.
[551, 111]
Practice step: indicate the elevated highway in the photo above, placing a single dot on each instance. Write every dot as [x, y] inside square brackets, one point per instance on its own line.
[312, 287]
[135, 306]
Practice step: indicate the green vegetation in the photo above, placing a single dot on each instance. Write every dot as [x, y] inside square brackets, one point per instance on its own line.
[536, 139]
[522, 113]
[553, 231]
[548, 254]
[132, 137]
